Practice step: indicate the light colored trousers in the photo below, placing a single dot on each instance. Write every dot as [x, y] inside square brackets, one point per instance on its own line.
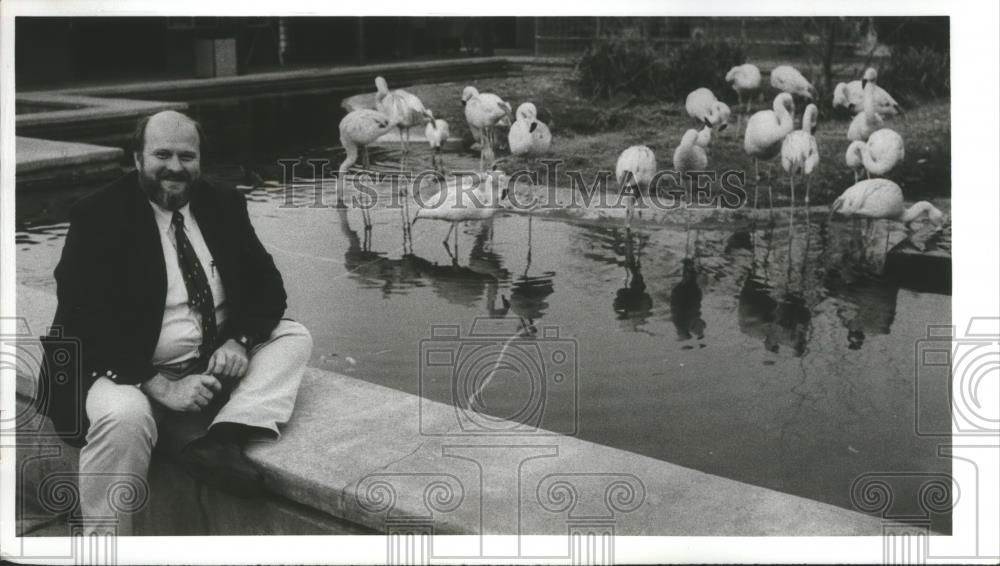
[124, 421]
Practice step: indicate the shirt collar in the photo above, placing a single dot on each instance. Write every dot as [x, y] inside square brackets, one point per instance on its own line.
[164, 216]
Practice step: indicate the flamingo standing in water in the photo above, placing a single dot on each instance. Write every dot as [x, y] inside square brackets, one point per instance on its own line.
[883, 199]
[482, 112]
[634, 171]
[878, 156]
[788, 79]
[403, 108]
[437, 133]
[528, 135]
[689, 157]
[358, 129]
[454, 205]
[799, 153]
[867, 121]
[765, 132]
[745, 80]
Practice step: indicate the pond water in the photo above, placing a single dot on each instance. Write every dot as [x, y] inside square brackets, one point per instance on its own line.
[788, 366]
[771, 355]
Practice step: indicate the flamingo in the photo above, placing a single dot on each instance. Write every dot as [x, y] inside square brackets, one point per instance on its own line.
[883, 199]
[702, 105]
[451, 205]
[868, 121]
[482, 112]
[879, 155]
[799, 154]
[688, 157]
[851, 96]
[528, 135]
[788, 79]
[745, 79]
[635, 170]
[436, 133]
[403, 108]
[704, 136]
[765, 132]
[358, 129]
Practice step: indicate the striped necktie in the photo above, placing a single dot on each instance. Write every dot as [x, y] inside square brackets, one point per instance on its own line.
[199, 292]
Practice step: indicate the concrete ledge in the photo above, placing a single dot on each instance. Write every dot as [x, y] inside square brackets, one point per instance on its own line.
[354, 453]
[47, 161]
[341, 78]
[74, 117]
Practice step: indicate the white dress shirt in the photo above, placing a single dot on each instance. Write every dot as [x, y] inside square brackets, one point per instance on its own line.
[180, 332]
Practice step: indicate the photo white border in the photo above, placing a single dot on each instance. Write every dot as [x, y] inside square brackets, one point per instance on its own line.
[975, 205]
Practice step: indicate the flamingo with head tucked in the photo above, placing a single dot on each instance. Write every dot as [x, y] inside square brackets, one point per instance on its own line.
[483, 111]
[437, 133]
[634, 172]
[765, 132]
[702, 105]
[528, 135]
[358, 129]
[788, 79]
[868, 121]
[745, 80]
[879, 155]
[403, 108]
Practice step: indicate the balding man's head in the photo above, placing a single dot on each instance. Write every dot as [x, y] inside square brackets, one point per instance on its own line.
[168, 157]
[168, 119]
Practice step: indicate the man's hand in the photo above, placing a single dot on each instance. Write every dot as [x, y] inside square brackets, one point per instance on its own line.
[230, 360]
[189, 394]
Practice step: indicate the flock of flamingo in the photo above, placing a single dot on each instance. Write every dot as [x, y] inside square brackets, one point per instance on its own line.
[875, 150]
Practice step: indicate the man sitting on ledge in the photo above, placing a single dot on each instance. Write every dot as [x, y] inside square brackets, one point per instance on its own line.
[178, 311]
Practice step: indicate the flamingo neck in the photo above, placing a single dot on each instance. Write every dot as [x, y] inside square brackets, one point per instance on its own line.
[807, 120]
[916, 211]
[869, 101]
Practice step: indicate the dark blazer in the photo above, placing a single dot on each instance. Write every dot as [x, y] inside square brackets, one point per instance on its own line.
[112, 284]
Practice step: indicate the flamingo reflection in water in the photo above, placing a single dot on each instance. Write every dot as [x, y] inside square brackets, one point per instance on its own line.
[528, 292]
[777, 322]
[458, 285]
[632, 303]
[685, 304]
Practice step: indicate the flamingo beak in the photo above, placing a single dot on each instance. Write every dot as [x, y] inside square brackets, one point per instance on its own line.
[534, 126]
[707, 122]
[864, 83]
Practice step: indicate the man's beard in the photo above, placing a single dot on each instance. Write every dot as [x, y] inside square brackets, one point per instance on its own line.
[172, 199]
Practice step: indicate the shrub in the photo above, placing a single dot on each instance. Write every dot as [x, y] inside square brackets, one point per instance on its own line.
[918, 72]
[702, 64]
[613, 66]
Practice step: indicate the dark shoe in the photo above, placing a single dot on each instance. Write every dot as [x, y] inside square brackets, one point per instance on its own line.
[222, 465]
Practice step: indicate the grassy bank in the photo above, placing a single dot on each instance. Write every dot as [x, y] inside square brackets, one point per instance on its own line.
[589, 135]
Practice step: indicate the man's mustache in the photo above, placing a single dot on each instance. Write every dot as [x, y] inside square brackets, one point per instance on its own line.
[173, 176]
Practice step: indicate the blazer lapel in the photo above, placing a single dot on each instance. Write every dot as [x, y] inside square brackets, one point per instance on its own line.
[147, 252]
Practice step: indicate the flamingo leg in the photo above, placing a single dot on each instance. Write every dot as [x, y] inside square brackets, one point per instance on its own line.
[365, 159]
[756, 181]
[791, 225]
